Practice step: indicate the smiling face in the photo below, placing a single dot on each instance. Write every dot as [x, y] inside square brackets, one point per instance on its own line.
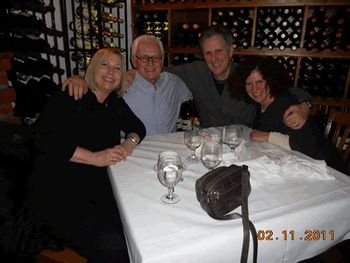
[108, 75]
[257, 89]
[148, 60]
[217, 54]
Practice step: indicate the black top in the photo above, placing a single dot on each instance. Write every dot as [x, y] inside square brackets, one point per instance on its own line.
[308, 139]
[66, 124]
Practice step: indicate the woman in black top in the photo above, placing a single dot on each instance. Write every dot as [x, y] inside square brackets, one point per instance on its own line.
[263, 81]
[76, 141]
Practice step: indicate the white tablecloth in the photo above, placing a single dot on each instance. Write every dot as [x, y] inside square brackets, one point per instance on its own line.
[286, 201]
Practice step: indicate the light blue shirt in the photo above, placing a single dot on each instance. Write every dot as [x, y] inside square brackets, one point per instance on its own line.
[157, 106]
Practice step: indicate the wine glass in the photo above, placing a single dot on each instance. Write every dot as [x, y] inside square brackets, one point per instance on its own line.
[211, 154]
[193, 139]
[169, 172]
[233, 136]
[164, 154]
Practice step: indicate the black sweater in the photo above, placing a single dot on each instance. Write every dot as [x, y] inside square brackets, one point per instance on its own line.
[308, 140]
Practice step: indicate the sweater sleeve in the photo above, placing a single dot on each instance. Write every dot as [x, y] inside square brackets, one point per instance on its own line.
[130, 122]
[279, 139]
[300, 94]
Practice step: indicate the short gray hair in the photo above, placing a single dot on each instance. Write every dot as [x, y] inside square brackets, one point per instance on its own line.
[216, 31]
[136, 42]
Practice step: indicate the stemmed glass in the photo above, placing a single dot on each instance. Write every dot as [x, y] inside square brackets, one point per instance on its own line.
[211, 154]
[233, 136]
[169, 172]
[193, 139]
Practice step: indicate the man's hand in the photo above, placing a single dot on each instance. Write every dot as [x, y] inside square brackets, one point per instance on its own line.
[130, 76]
[296, 115]
[76, 86]
[259, 136]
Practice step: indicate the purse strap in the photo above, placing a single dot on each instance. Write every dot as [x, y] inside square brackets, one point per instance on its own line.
[247, 224]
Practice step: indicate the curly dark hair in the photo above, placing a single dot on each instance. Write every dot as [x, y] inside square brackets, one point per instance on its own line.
[273, 73]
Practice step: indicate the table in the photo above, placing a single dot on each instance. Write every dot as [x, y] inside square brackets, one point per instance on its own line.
[296, 216]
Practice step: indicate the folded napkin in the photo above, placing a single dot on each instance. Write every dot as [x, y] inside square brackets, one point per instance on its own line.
[270, 166]
[293, 166]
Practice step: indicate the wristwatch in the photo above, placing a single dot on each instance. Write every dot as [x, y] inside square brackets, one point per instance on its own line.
[133, 139]
[308, 102]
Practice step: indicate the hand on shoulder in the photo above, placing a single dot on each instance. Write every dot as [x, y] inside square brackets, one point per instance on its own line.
[76, 85]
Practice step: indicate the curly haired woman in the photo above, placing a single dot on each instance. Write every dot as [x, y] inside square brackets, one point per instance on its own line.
[261, 80]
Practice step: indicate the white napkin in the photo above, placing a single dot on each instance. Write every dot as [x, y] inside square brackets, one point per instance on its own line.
[271, 166]
[293, 166]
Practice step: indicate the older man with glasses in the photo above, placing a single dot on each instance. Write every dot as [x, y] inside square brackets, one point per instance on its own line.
[154, 96]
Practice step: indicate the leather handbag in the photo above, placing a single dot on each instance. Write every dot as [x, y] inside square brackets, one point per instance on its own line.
[222, 190]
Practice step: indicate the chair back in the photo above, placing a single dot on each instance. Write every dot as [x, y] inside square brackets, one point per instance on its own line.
[321, 108]
[340, 137]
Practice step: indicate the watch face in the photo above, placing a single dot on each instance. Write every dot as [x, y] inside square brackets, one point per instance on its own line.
[133, 140]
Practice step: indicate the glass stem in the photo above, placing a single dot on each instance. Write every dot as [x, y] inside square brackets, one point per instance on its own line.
[193, 154]
[170, 193]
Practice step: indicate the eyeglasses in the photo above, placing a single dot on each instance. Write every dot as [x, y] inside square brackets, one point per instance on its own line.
[145, 58]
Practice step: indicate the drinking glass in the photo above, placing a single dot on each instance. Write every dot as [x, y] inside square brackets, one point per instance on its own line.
[166, 154]
[169, 172]
[211, 154]
[193, 139]
[233, 136]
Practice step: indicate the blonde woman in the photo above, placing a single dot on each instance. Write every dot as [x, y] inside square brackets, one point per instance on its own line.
[76, 141]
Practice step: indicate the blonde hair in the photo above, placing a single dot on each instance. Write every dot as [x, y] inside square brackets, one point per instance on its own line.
[95, 62]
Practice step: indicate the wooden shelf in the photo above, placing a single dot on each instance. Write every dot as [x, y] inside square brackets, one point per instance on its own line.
[203, 11]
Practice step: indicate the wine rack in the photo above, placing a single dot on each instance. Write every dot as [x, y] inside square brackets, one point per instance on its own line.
[310, 38]
[95, 24]
[30, 30]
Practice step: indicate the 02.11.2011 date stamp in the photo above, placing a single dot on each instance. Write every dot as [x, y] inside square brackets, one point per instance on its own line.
[308, 235]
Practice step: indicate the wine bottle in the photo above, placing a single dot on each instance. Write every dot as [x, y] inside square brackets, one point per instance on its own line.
[25, 44]
[218, 18]
[271, 36]
[282, 36]
[284, 24]
[106, 17]
[177, 60]
[81, 59]
[245, 44]
[79, 71]
[295, 37]
[32, 5]
[105, 3]
[286, 12]
[320, 11]
[293, 45]
[90, 44]
[188, 115]
[315, 32]
[181, 34]
[310, 44]
[296, 25]
[324, 45]
[281, 45]
[25, 24]
[86, 29]
[273, 25]
[291, 62]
